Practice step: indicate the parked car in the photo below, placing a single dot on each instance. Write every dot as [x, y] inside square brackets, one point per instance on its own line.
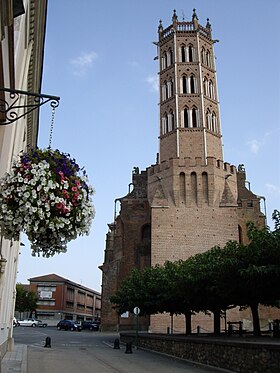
[90, 325]
[42, 324]
[29, 322]
[68, 325]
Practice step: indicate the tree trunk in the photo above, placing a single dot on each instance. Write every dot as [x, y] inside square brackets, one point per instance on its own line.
[217, 322]
[256, 319]
[188, 321]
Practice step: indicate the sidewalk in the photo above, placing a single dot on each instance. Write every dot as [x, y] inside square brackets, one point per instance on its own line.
[16, 360]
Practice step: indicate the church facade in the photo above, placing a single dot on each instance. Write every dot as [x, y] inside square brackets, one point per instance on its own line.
[191, 199]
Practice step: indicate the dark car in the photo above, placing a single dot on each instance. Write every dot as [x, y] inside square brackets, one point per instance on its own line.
[68, 325]
[90, 325]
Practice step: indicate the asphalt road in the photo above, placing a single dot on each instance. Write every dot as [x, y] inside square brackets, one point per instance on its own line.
[92, 352]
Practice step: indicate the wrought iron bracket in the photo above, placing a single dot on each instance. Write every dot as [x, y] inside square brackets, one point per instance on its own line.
[11, 108]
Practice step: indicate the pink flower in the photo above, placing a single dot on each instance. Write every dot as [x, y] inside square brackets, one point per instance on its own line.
[74, 189]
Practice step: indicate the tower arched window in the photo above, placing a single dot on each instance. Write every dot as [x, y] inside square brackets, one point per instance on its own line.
[192, 84]
[164, 122]
[169, 88]
[211, 90]
[171, 121]
[209, 119]
[164, 91]
[208, 58]
[190, 53]
[214, 122]
[194, 118]
[170, 56]
[186, 118]
[183, 53]
[168, 61]
[184, 84]
[164, 60]
[203, 55]
[205, 86]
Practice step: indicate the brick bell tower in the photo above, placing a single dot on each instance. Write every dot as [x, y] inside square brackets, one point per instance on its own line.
[191, 199]
[189, 108]
[196, 199]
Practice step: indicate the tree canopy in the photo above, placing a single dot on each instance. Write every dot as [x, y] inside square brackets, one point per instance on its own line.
[215, 280]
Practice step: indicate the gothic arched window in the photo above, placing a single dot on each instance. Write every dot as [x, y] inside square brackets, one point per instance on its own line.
[209, 119]
[192, 84]
[214, 122]
[211, 90]
[190, 53]
[164, 124]
[171, 121]
[194, 118]
[186, 118]
[183, 53]
[205, 86]
[170, 57]
[203, 55]
[185, 84]
[208, 58]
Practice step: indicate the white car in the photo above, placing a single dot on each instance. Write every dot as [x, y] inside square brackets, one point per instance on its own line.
[29, 322]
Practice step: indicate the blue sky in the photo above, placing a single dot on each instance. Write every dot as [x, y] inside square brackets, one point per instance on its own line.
[99, 58]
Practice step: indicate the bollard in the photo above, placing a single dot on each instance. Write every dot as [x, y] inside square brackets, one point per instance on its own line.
[198, 329]
[48, 342]
[168, 330]
[128, 349]
[116, 344]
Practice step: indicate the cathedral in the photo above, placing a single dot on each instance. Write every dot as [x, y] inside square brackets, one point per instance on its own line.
[191, 199]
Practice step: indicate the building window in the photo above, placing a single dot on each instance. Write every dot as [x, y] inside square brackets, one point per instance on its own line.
[214, 122]
[185, 84]
[170, 54]
[192, 84]
[194, 118]
[164, 60]
[164, 124]
[171, 121]
[169, 88]
[240, 235]
[209, 119]
[205, 87]
[203, 55]
[190, 53]
[186, 118]
[211, 90]
[208, 58]
[183, 53]
[146, 233]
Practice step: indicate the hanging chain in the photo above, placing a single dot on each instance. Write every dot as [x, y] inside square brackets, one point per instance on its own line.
[51, 129]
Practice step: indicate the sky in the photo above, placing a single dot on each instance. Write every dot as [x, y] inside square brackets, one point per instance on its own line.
[99, 59]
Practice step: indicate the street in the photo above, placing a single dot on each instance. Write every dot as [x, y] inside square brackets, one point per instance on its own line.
[88, 352]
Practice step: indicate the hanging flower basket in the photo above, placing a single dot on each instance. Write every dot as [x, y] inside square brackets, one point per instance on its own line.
[46, 195]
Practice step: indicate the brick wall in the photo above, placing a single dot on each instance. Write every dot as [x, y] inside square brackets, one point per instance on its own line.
[235, 355]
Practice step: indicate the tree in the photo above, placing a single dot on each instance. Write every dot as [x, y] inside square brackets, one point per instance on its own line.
[25, 300]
